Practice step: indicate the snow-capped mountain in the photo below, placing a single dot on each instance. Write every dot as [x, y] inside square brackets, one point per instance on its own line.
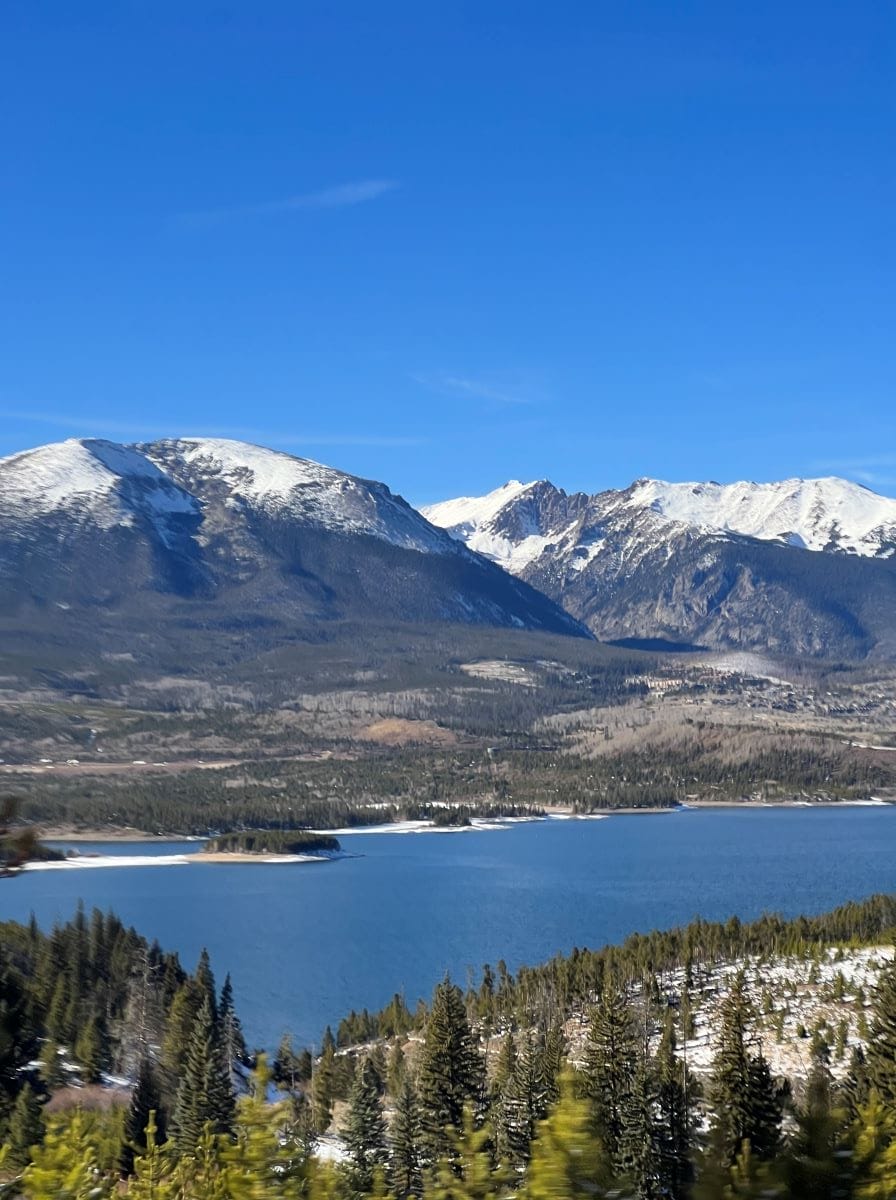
[701, 562]
[224, 534]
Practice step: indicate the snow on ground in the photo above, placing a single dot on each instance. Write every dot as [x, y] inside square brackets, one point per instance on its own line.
[793, 995]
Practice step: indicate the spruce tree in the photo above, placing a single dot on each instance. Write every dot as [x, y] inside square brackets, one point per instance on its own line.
[450, 1072]
[674, 1121]
[881, 1049]
[205, 982]
[638, 1155]
[746, 1103]
[404, 1143]
[609, 1068]
[233, 1044]
[323, 1085]
[205, 1094]
[568, 1162]
[26, 1127]
[262, 1162]
[145, 1100]
[364, 1131]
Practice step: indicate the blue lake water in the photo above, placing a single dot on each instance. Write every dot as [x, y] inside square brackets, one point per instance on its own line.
[305, 944]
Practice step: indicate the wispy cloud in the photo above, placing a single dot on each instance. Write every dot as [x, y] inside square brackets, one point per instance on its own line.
[343, 195]
[876, 470]
[473, 389]
[92, 426]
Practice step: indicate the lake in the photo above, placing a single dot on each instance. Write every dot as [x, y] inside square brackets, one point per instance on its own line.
[306, 943]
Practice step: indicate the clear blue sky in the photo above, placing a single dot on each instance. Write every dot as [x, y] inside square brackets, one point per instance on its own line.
[446, 244]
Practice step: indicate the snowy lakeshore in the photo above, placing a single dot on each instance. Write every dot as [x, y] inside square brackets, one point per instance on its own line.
[87, 861]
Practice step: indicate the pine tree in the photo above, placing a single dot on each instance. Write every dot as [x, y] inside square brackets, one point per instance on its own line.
[152, 1170]
[404, 1143]
[145, 1101]
[638, 1151]
[66, 1166]
[874, 1160]
[525, 1102]
[609, 1067]
[323, 1085]
[466, 1171]
[396, 1070]
[814, 1163]
[233, 1044]
[674, 1121]
[26, 1127]
[205, 1095]
[262, 1163]
[881, 1049]
[178, 1031]
[364, 1130]
[205, 982]
[92, 1046]
[746, 1102]
[450, 1072]
[568, 1161]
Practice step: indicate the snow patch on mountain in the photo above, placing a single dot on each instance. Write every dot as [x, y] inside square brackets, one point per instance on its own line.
[471, 520]
[816, 514]
[518, 523]
[300, 489]
[92, 480]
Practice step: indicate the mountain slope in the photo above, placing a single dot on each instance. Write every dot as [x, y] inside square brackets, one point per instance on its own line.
[803, 566]
[101, 543]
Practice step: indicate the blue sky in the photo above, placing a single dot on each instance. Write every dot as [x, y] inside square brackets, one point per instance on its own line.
[447, 244]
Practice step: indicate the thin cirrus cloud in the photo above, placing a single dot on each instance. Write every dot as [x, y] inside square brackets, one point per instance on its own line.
[472, 389]
[878, 470]
[344, 195]
[91, 426]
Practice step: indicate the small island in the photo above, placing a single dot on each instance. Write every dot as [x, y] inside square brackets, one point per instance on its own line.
[271, 845]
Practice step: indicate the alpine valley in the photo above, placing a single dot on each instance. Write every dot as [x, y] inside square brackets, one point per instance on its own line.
[800, 567]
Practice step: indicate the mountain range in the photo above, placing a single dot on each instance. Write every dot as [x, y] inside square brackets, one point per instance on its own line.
[162, 547]
[200, 548]
[804, 566]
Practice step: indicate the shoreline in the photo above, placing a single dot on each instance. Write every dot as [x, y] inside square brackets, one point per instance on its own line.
[123, 835]
[89, 862]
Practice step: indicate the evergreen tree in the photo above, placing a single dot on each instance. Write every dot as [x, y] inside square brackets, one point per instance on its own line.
[524, 1102]
[396, 1070]
[323, 1085]
[746, 1103]
[262, 1162]
[205, 983]
[364, 1131]
[816, 1157]
[233, 1044]
[881, 1049]
[182, 1016]
[609, 1068]
[66, 1166]
[404, 1143]
[638, 1151]
[568, 1162]
[92, 1046]
[26, 1127]
[674, 1120]
[450, 1072]
[466, 1170]
[856, 1088]
[205, 1095]
[874, 1151]
[145, 1102]
[152, 1170]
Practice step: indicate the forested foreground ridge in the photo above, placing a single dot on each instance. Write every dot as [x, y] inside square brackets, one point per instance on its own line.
[578, 1078]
